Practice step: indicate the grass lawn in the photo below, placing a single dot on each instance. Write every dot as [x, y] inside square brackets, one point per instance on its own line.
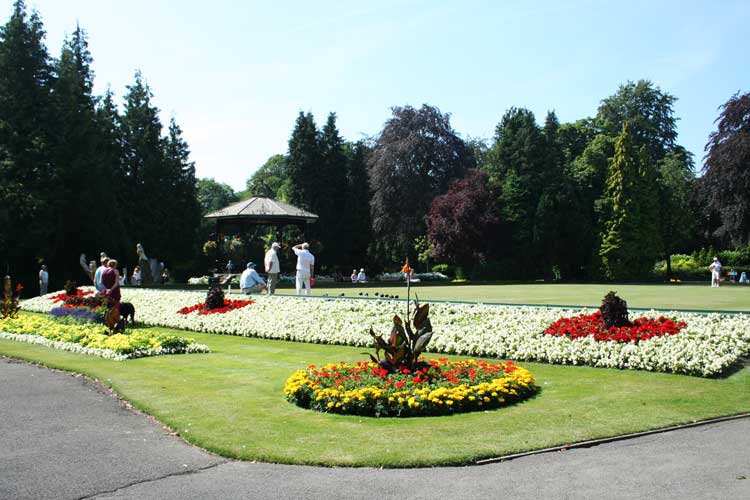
[231, 402]
[682, 296]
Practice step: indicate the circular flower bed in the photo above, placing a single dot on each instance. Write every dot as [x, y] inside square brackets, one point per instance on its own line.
[592, 325]
[229, 305]
[442, 387]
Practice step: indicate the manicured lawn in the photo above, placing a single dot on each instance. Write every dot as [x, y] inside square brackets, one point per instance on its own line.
[682, 296]
[231, 402]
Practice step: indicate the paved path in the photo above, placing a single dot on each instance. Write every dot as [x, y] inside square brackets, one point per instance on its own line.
[63, 438]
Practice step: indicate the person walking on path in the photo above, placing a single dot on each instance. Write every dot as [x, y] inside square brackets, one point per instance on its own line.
[43, 281]
[305, 267]
[272, 267]
[715, 268]
[111, 281]
[250, 281]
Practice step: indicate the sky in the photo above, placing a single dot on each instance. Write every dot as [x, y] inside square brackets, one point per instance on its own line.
[235, 75]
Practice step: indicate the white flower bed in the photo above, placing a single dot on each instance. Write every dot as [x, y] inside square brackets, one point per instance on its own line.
[709, 344]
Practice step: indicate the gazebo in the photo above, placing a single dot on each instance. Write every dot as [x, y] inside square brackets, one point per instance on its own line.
[260, 211]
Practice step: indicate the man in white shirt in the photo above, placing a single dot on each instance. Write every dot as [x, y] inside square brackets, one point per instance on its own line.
[305, 267]
[98, 275]
[43, 281]
[250, 281]
[362, 277]
[272, 268]
[715, 268]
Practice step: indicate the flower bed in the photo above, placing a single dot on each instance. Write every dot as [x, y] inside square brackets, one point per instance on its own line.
[229, 305]
[89, 338]
[708, 345]
[585, 325]
[442, 387]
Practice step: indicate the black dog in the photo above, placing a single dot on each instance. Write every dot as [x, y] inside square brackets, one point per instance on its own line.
[127, 310]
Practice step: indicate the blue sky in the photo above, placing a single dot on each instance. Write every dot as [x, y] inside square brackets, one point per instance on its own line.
[235, 74]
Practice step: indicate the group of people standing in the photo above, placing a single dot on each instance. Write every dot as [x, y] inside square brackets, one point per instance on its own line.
[107, 279]
[252, 282]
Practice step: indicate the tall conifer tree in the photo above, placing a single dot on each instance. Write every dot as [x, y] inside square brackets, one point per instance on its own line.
[28, 175]
[630, 243]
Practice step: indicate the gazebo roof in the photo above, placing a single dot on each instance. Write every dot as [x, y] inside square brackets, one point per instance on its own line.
[261, 210]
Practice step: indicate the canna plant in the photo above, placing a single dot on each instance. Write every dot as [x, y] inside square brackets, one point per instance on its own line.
[407, 341]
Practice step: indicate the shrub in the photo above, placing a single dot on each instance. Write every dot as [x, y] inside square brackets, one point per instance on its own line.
[614, 311]
[215, 298]
[446, 269]
[71, 287]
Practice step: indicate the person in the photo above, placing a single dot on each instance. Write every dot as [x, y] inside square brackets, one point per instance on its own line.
[43, 281]
[123, 277]
[111, 281]
[305, 267]
[743, 277]
[273, 268]
[137, 276]
[230, 267]
[362, 277]
[354, 276]
[98, 274]
[165, 276]
[250, 281]
[715, 269]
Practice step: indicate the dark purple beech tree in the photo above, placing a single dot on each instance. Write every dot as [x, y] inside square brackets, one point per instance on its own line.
[413, 159]
[460, 221]
[725, 186]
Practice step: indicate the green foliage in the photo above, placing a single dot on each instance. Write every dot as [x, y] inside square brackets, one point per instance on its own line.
[648, 112]
[630, 239]
[614, 311]
[213, 195]
[272, 180]
[407, 340]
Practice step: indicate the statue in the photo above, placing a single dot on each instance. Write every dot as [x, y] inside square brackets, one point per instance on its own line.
[143, 262]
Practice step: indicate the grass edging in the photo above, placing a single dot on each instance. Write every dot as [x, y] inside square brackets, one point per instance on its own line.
[612, 439]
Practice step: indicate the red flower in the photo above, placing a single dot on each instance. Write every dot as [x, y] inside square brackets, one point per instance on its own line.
[399, 384]
[229, 305]
[19, 287]
[592, 325]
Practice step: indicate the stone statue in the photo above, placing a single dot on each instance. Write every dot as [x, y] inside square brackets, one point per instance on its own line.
[146, 273]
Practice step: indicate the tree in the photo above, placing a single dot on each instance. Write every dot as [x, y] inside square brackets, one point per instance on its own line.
[330, 201]
[75, 150]
[630, 241]
[28, 176]
[678, 220]
[214, 195]
[147, 202]
[270, 180]
[414, 158]
[356, 215]
[518, 172]
[726, 172]
[459, 221]
[180, 232]
[649, 113]
[303, 163]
